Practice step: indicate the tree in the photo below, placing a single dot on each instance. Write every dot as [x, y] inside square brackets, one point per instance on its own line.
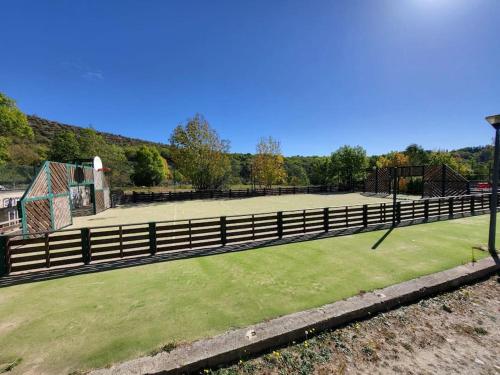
[150, 168]
[348, 164]
[12, 121]
[319, 171]
[296, 173]
[393, 159]
[65, 147]
[200, 155]
[444, 157]
[13, 124]
[416, 155]
[268, 165]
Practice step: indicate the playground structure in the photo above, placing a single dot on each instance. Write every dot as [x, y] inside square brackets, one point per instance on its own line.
[435, 180]
[61, 191]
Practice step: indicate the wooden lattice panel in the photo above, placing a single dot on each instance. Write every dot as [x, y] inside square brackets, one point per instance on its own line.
[38, 215]
[58, 178]
[62, 212]
[39, 186]
[379, 181]
[107, 198]
[98, 180]
[99, 201]
[88, 172]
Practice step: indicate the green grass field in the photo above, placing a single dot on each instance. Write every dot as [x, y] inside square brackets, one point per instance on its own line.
[93, 320]
[143, 213]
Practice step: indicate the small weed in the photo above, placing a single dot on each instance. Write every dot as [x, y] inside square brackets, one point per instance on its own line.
[10, 366]
[165, 348]
[480, 331]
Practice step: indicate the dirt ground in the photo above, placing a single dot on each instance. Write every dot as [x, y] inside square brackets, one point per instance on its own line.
[455, 333]
[143, 213]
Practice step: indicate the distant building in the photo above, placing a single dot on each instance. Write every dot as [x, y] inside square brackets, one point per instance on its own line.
[9, 216]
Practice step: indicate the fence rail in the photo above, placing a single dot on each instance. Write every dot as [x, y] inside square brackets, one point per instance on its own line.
[74, 247]
[141, 197]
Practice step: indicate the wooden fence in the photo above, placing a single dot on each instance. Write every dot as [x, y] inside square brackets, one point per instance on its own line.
[142, 197]
[75, 247]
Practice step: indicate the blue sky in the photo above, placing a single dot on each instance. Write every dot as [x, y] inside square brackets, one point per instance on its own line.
[314, 74]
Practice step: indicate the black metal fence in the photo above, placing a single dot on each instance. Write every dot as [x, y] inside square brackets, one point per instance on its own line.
[76, 247]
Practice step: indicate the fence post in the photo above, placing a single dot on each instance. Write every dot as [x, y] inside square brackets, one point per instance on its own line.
[248, 192]
[398, 212]
[86, 248]
[426, 210]
[4, 256]
[152, 238]
[326, 219]
[450, 207]
[472, 208]
[443, 181]
[223, 238]
[376, 180]
[294, 189]
[279, 223]
[279, 190]
[365, 215]
[230, 193]
[134, 196]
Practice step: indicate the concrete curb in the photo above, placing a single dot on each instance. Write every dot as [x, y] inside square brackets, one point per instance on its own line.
[242, 343]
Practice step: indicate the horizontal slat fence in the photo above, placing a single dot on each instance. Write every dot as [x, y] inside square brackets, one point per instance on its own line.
[142, 197]
[75, 247]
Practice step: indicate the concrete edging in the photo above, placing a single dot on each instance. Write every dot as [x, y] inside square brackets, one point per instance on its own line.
[241, 343]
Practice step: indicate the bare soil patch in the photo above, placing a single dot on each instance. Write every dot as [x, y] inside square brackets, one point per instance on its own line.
[455, 333]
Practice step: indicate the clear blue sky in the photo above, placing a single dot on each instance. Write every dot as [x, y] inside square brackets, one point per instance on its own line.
[314, 74]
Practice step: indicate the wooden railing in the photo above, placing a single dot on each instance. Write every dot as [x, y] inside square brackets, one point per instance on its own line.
[76, 247]
[143, 197]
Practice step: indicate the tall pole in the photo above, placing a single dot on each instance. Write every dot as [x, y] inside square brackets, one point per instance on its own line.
[494, 192]
[394, 194]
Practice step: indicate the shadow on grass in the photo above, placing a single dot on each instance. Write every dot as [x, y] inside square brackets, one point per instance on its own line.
[379, 242]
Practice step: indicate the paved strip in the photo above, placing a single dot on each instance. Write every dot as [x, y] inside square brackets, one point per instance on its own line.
[241, 343]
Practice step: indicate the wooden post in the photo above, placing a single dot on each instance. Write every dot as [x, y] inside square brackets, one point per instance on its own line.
[134, 196]
[326, 219]
[443, 180]
[279, 224]
[223, 237]
[472, 208]
[376, 180]
[365, 215]
[120, 230]
[398, 212]
[426, 210]
[5, 263]
[152, 238]
[279, 190]
[86, 246]
[47, 252]
[450, 207]
[230, 193]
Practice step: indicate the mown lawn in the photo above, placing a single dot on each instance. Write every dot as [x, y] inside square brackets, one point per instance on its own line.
[88, 321]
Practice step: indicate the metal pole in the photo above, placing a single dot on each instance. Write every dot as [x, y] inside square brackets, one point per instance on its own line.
[394, 192]
[494, 193]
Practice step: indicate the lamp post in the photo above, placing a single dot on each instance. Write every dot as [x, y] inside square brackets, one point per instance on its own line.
[495, 122]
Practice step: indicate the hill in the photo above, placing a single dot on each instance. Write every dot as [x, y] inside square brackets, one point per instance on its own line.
[45, 130]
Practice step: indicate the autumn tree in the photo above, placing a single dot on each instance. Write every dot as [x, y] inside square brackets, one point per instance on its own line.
[200, 155]
[150, 169]
[444, 157]
[268, 166]
[393, 159]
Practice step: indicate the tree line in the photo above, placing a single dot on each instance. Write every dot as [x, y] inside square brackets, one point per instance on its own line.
[197, 155]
